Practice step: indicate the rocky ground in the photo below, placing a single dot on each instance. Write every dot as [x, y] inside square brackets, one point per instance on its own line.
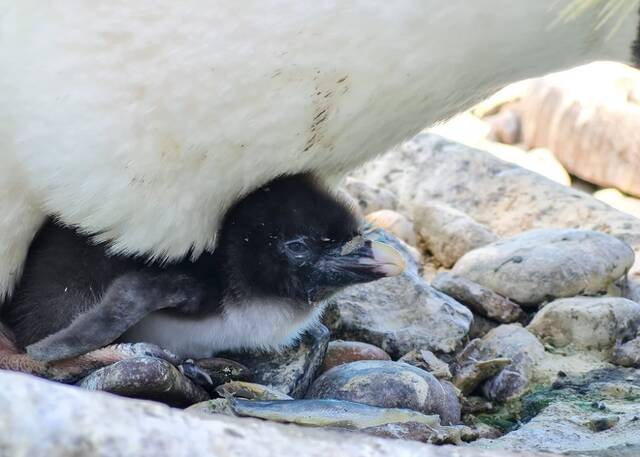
[515, 326]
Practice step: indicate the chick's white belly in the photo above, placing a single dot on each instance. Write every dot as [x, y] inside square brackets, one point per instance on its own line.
[252, 326]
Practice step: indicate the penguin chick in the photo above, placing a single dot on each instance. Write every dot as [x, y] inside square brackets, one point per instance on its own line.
[283, 250]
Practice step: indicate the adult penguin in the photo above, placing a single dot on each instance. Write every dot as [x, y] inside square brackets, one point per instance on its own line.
[142, 122]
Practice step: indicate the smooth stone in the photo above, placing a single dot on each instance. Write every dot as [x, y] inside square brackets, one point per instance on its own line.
[427, 360]
[586, 323]
[506, 126]
[395, 223]
[292, 370]
[370, 198]
[339, 352]
[627, 354]
[479, 299]
[389, 385]
[503, 196]
[398, 314]
[147, 378]
[39, 417]
[544, 264]
[448, 233]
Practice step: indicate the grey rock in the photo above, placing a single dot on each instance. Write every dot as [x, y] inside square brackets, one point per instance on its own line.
[370, 198]
[503, 196]
[539, 265]
[339, 352]
[68, 421]
[586, 322]
[448, 233]
[427, 361]
[389, 385]
[511, 342]
[148, 378]
[470, 373]
[479, 299]
[398, 314]
[292, 370]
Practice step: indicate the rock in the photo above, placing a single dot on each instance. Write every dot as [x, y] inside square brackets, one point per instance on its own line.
[339, 352]
[370, 198]
[588, 117]
[539, 265]
[398, 314]
[223, 370]
[208, 407]
[250, 391]
[483, 357]
[586, 323]
[395, 223]
[627, 354]
[146, 377]
[389, 385]
[579, 416]
[479, 299]
[469, 374]
[427, 361]
[66, 421]
[448, 233]
[292, 370]
[505, 197]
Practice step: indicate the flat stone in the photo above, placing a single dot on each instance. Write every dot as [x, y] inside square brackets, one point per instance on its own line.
[586, 322]
[448, 233]
[250, 391]
[66, 421]
[292, 370]
[479, 299]
[148, 378]
[398, 314]
[540, 265]
[339, 352]
[389, 385]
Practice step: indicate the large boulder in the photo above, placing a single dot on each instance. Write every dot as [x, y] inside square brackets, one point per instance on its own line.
[40, 417]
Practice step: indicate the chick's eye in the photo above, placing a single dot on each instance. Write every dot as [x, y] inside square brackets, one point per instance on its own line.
[297, 247]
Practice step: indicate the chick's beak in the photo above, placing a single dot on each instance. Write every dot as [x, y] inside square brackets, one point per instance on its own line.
[382, 259]
[367, 260]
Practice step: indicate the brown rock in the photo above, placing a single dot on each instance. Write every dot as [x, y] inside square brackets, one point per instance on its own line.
[427, 361]
[588, 118]
[340, 352]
